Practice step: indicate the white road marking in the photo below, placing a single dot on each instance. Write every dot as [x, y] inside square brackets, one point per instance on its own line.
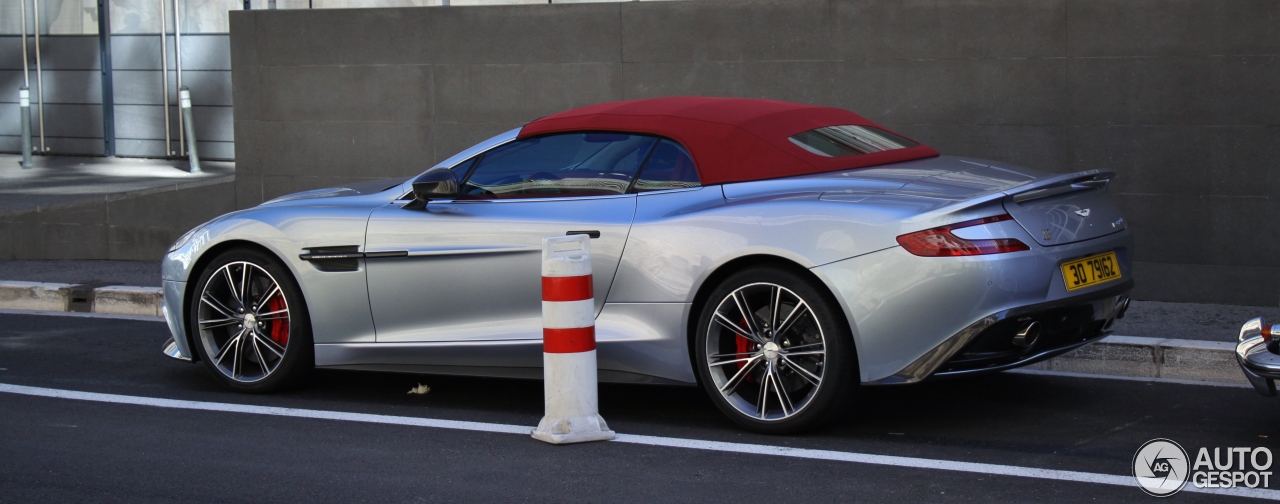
[1068, 374]
[694, 444]
[140, 318]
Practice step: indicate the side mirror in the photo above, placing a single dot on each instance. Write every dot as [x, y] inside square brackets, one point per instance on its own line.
[440, 183]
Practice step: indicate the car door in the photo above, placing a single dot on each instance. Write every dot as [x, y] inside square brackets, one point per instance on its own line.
[469, 269]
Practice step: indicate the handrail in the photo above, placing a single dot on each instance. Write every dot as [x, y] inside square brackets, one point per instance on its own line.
[177, 64]
[26, 81]
[164, 80]
[35, 11]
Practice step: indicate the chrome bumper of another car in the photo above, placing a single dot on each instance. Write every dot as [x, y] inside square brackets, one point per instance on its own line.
[1258, 357]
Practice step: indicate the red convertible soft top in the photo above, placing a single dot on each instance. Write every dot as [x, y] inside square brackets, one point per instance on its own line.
[730, 139]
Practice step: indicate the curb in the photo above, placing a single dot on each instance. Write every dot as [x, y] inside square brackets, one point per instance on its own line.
[58, 297]
[1152, 358]
[1123, 356]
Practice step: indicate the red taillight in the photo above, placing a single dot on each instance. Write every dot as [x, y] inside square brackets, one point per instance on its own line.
[939, 242]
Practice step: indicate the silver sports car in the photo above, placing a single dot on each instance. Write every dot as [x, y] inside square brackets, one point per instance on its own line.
[778, 255]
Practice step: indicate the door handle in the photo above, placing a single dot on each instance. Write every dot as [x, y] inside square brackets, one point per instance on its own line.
[592, 233]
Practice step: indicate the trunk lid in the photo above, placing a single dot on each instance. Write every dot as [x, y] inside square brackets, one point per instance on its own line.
[1066, 209]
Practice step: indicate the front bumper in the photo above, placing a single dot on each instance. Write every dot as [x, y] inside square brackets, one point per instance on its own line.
[1259, 357]
[176, 347]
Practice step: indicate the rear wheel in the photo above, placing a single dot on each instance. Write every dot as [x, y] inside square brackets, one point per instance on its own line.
[774, 353]
[250, 323]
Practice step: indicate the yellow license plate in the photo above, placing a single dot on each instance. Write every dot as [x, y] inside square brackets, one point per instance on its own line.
[1091, 271]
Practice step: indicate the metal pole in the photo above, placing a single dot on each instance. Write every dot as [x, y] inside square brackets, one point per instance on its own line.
[24, 95]
[24, 116]
[177, 65]
[184, 100]
[35, 11]
[164, 81]
[108, 78]
[26, 80]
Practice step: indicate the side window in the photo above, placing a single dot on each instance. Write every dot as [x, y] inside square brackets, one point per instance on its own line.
[669, 167]
[462, 168]
[568, 164]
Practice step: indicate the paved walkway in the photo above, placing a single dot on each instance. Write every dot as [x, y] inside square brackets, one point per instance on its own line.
[59, 181]
[138, 273]
[1194, 321]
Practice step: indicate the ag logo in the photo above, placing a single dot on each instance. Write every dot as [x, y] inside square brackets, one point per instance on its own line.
[1160, 466]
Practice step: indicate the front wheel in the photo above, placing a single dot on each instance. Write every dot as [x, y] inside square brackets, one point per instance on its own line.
[250, 323]
[774, 352]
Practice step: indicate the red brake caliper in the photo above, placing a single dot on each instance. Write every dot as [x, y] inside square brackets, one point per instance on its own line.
[744, 348]
[280, 326]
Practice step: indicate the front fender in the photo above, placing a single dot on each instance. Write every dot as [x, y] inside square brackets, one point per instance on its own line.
[337, 301]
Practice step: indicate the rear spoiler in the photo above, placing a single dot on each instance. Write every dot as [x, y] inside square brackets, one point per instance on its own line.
[1082, 181]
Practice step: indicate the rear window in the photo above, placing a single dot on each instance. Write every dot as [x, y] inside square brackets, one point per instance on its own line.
[841, 141]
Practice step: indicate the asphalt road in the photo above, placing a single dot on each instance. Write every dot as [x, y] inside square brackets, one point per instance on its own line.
[55, 449]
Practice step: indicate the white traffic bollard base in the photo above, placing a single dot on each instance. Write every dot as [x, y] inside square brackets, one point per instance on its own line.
[569, 344]
[570, 389]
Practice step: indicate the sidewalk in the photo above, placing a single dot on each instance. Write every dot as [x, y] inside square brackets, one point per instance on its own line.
[137, 273]
[90, 208]
[1155, 341]
[56, 182]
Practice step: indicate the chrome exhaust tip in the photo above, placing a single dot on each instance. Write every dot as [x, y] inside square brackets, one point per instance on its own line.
[1122, 307]
[1028, 335]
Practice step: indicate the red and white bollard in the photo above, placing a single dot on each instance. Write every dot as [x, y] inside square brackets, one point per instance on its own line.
[569, 344]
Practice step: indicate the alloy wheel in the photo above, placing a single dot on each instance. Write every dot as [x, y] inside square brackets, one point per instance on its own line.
[244, 322]
[766, 351]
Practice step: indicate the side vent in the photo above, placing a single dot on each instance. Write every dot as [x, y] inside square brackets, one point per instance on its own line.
[334, 259]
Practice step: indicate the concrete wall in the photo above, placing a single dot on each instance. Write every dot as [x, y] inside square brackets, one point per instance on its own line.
[1181, 97]
[125, 226]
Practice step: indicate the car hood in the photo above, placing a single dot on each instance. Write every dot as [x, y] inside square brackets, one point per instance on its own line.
[348, 190]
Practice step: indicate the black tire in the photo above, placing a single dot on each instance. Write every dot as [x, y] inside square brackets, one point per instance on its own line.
[275, 353]
[723, 355]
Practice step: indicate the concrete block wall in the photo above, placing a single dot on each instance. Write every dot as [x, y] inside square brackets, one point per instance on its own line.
[134, 226]
[1181, 97]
